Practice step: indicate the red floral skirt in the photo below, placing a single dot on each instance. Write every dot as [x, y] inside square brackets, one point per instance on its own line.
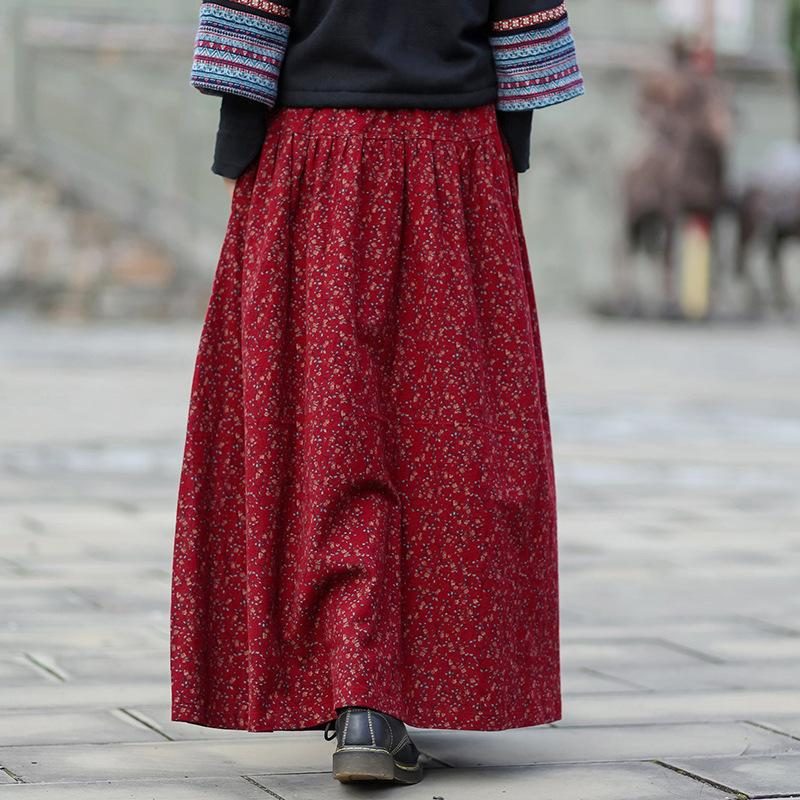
[366, 510]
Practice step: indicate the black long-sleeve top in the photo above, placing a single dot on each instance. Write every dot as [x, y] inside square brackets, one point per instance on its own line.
[255, 54]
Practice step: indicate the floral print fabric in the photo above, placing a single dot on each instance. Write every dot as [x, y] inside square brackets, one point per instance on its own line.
[366, 512]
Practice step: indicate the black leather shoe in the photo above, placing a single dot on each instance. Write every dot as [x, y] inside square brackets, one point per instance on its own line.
[373, 746]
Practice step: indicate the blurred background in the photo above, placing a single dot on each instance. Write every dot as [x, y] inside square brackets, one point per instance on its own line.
[109, 208]
[661, 214]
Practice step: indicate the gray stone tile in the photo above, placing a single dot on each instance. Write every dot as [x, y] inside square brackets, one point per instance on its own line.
[697, 677]
[19, 671]
[599, 743]
[87, 696]
[284, 752]
[29, 599]
[158, 716]
[79, 633]
[86, 632]
[122, 666]
[599, 653]
[628, 707]
[64, 547]
[755, 649]
[203, 789]
[582, 681]
[654, 594]
[693, 629]
[548, 782]
[54, 589]
[94, 573]
[150, 595]
[787, 725]
[756, 776]
[71, 727]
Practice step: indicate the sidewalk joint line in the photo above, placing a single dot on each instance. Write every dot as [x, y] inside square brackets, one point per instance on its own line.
[682, 648]
[615, 679]
[145, 721]
[770, 729]
[437, 760]
[49, 669]
[766, 625]
[707, 781]
[261, 786]
[14, 777]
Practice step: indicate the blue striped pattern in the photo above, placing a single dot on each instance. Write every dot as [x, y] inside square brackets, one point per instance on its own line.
[238, 53]
[536, 68]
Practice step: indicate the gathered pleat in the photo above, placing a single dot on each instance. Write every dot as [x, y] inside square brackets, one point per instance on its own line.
[366, 513]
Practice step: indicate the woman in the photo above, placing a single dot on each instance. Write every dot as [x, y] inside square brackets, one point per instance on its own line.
[366, 528]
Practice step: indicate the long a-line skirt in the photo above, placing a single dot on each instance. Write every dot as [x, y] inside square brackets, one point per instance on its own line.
[366, 510]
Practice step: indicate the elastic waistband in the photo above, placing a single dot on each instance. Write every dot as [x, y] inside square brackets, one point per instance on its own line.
[432, 123]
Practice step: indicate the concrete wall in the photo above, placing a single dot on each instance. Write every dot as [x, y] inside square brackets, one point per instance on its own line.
[98, 92]
[110, 110]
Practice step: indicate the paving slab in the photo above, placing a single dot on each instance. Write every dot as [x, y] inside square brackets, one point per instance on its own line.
[73, 547]
[599, 743]
[598, 652]
[144, 596]
[627, 707]
[159, 717]
[787, 725]
[574, 782]
[34, 600]
[295, 752]
[48, 727]
[643, 596]
[120, 667]
[85, 696]
[755, 776]
[674, 628]
[99, 635]
[582, 681]
[203, 789]
[67, 587]
[699, 677]
[19, 671]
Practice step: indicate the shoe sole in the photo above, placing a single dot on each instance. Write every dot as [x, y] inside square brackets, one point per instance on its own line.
[351, 765]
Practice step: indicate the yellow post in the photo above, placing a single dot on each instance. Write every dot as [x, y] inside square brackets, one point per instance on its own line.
[695, 281]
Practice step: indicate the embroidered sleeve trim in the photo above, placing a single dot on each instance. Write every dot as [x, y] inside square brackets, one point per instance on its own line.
[528, 20]
[268, 7]
[535, 60]
[240, 51]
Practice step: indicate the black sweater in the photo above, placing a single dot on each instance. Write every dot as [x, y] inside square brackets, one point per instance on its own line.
[518, 54]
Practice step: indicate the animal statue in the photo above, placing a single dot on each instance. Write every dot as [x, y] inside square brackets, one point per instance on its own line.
[681, 170]
[769, 213]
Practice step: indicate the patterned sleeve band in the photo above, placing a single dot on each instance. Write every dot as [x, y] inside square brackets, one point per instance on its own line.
[534, 56]
[240, 48]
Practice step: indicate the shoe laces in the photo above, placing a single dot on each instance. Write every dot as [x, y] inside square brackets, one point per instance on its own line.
[330, 726]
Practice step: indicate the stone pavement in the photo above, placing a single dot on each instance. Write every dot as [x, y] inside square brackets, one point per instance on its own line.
[678, 474]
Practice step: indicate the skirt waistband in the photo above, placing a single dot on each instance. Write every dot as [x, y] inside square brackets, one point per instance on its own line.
[456, 124]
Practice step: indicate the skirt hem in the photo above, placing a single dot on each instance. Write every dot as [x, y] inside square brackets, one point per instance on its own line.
[317, 723]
